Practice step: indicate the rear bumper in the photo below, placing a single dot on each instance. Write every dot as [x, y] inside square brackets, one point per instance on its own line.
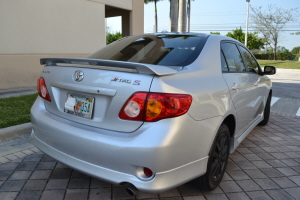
[161, 182]
[176, 153]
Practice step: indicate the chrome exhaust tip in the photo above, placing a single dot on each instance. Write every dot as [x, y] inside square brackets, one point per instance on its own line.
[131, 190]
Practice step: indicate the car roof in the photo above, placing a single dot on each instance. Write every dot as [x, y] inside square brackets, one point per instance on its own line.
[177, 33]
[221, 37]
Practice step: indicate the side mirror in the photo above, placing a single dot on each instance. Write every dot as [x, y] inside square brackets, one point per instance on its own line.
[269, 70]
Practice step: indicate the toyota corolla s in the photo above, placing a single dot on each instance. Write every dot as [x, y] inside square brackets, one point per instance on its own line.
[152, 111]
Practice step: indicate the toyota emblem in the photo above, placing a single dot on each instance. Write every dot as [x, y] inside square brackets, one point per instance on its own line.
[78, 76]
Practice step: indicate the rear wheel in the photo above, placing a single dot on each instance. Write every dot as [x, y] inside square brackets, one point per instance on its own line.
[266, 112]
[217, 161]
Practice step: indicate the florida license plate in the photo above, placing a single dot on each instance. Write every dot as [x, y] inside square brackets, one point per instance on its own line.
[79, 105]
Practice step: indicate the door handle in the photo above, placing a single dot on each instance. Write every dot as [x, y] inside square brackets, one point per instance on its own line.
[235, 86]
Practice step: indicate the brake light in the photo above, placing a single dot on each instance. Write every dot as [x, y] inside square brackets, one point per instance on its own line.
[42, 89]
[151, 107]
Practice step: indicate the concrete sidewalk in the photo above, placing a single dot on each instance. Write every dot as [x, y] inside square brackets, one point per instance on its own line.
[286, 76]
[9, 133]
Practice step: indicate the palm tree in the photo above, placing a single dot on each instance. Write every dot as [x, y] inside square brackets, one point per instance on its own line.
[182, 16]
[188, 26]
[155, 12]
[174, 12]
[173, 15]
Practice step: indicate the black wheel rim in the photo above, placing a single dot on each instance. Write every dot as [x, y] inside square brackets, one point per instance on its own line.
[219, 158]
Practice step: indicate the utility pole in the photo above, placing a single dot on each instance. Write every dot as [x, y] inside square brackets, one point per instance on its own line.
[247, 19]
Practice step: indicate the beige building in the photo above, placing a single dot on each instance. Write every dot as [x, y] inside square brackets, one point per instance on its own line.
[32, 29]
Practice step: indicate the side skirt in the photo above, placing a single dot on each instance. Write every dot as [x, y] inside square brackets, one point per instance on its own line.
[238, 140]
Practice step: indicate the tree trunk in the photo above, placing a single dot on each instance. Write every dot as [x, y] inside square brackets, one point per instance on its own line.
[275, 49]
[155, 17]
[182, 16]
[188, 16]
[174, 16]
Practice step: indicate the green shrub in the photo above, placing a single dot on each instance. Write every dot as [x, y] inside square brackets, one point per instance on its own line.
[280, 56]
[111, 37]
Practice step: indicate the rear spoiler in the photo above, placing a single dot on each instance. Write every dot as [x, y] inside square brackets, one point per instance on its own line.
[139, 67]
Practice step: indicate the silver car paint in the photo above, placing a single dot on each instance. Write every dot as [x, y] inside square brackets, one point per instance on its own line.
[161, 146]
[109, 95]
[176, 149]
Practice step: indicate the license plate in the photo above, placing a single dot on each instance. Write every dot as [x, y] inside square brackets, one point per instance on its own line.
[79, 105]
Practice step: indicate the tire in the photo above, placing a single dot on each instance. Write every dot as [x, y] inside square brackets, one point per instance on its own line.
[267, 111]
[217, 161]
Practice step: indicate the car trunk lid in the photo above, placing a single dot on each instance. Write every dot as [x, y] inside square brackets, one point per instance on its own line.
[102, 88]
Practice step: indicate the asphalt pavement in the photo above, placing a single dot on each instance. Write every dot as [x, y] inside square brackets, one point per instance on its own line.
[286, 92]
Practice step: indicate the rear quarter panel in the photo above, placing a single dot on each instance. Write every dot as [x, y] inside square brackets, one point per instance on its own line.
[211, 98]
[204, 81]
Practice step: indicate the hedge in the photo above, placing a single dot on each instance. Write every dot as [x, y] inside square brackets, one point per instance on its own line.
[280, 56]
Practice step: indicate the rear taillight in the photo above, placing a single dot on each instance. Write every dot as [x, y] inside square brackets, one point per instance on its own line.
[134, 107]
[151, 107]
[42, 89]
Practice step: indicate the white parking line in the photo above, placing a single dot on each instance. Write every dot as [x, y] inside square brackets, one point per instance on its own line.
[298, 112]
[274, 99]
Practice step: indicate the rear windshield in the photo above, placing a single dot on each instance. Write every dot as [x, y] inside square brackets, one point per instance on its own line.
[164, 49]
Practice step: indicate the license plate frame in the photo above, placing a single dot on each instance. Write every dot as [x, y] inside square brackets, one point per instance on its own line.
[79, 105]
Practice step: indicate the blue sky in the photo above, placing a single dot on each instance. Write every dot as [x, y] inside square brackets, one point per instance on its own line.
[216, 15]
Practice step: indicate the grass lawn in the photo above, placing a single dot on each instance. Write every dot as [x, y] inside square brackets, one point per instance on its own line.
[15, 110]
[280, 64]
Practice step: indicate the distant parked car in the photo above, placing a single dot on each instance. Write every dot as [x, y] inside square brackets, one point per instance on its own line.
[152, 111]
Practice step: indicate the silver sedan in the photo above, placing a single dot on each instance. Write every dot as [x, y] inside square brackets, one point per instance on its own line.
[152, 111]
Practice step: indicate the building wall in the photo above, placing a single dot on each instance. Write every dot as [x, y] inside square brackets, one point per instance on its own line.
[23, 70]
[51, 26]
[33, 29]
[123, 4]
[137, 17]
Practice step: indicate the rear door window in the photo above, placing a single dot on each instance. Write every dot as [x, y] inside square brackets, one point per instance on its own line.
[250, 62]
[223, 63]
[233, 57]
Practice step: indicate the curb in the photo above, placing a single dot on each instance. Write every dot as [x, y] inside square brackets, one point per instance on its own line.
[16, 92]
[13, 132]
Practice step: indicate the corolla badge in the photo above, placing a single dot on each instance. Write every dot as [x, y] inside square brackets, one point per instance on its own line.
[78, 75]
